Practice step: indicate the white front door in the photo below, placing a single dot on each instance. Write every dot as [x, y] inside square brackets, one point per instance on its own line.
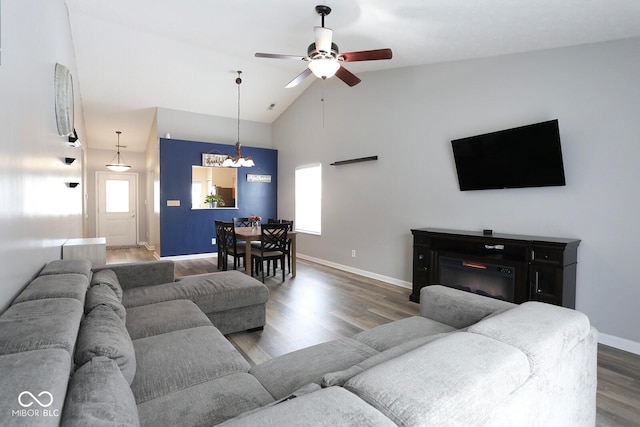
[117, 208]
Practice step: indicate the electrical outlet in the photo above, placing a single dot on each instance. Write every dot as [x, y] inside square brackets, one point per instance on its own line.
[213, 241]
[353, 253]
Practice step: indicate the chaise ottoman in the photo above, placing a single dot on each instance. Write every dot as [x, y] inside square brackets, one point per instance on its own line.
[232, 300]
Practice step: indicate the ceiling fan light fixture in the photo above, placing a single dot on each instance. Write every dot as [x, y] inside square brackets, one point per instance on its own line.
[119, 165]
[324, 68]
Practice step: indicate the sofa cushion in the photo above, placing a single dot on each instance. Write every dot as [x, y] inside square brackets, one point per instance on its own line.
[131, 275]
[457, 308]
[103, 294]
[102, 333]
[284, 374]
[211, 292]
[148, 320]
[338, 378]
[391, 334]
[66, 266]
[206, 404]
[543, 332]
[109, 278]
[452, 381]
[180, 359]
[44, 375]
[40, 332]
[328, 407]
[98, 395]
[305, 389]
[69, 285]
[42, 308]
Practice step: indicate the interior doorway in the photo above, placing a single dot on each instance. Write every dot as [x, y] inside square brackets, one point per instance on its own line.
[117, 208]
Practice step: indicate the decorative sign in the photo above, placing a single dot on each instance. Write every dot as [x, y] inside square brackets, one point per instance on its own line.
[258, 178]
[214, 160]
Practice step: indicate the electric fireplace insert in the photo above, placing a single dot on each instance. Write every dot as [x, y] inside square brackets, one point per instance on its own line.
[492, 280]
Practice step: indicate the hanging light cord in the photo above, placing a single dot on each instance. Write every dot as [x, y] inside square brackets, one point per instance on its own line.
[238, 81]
[118, 132]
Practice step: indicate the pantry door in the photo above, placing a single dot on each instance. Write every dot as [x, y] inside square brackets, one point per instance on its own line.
[117, 211]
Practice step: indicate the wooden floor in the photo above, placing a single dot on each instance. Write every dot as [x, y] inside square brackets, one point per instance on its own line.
[323, 303]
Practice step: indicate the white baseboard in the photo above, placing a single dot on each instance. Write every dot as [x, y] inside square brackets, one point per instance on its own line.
[370, 275]
[190, 256]
[619, 343]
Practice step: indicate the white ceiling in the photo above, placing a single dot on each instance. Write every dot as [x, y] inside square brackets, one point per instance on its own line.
[135, 55]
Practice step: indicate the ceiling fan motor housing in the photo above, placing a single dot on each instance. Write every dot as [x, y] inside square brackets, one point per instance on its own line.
[323, 10]
[313, 53]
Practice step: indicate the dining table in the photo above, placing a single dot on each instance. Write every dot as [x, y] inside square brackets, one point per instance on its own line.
[254, 234]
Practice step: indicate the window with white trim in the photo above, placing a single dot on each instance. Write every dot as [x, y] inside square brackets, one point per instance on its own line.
[308, 198]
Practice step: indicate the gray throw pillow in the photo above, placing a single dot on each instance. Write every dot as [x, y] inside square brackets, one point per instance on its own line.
[109, 278]
[98, 395]
[102, 294]
[102, 333]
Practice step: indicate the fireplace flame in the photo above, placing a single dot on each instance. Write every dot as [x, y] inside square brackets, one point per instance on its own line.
[474, 265]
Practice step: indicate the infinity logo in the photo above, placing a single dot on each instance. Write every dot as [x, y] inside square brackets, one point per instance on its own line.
[28, 393]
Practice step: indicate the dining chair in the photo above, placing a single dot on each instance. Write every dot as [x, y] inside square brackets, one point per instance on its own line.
[288, 250]
[242, 222]
[222, 247]
[233, 247]
[273, 239]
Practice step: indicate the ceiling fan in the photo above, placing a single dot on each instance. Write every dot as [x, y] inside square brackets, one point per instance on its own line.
[325, 59]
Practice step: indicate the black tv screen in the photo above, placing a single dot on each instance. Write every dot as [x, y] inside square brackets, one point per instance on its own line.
[526, 156]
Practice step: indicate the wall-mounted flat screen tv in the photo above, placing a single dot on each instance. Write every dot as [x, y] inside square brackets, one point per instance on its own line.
[526, 156]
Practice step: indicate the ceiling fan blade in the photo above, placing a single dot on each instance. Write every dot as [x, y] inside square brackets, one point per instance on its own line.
[295, 82]
[323, 37]
[366, 55]
[278, 56]
[347, 76]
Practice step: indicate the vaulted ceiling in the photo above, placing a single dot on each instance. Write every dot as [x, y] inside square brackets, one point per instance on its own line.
[135, 55]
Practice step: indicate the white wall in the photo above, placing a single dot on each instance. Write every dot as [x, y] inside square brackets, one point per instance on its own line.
[408, 117]
[38, 211]
[152, 166]
[202, 127]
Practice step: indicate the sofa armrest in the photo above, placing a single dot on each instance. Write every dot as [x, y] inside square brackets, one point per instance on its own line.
[457, 308]
[142, 273]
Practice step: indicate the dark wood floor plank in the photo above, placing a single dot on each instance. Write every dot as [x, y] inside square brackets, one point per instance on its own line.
[322, 304]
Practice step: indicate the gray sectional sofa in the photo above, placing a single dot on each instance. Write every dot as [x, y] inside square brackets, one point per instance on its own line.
[130, 345]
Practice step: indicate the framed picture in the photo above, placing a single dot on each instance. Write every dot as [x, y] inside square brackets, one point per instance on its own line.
[258, 178]
[214, 160]
[63, 88]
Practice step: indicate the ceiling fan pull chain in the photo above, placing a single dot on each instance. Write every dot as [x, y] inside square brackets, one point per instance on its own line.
[322, 100]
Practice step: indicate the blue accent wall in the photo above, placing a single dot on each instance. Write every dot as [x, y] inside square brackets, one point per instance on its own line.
[184, 231]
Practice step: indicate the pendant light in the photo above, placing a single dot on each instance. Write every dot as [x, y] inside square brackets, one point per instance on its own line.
[120, 165]
[238, 161]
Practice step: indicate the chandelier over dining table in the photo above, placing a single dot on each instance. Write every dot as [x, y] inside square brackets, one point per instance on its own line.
[238, 160]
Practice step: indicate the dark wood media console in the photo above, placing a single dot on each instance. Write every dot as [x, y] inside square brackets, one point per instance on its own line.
[545, 267]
